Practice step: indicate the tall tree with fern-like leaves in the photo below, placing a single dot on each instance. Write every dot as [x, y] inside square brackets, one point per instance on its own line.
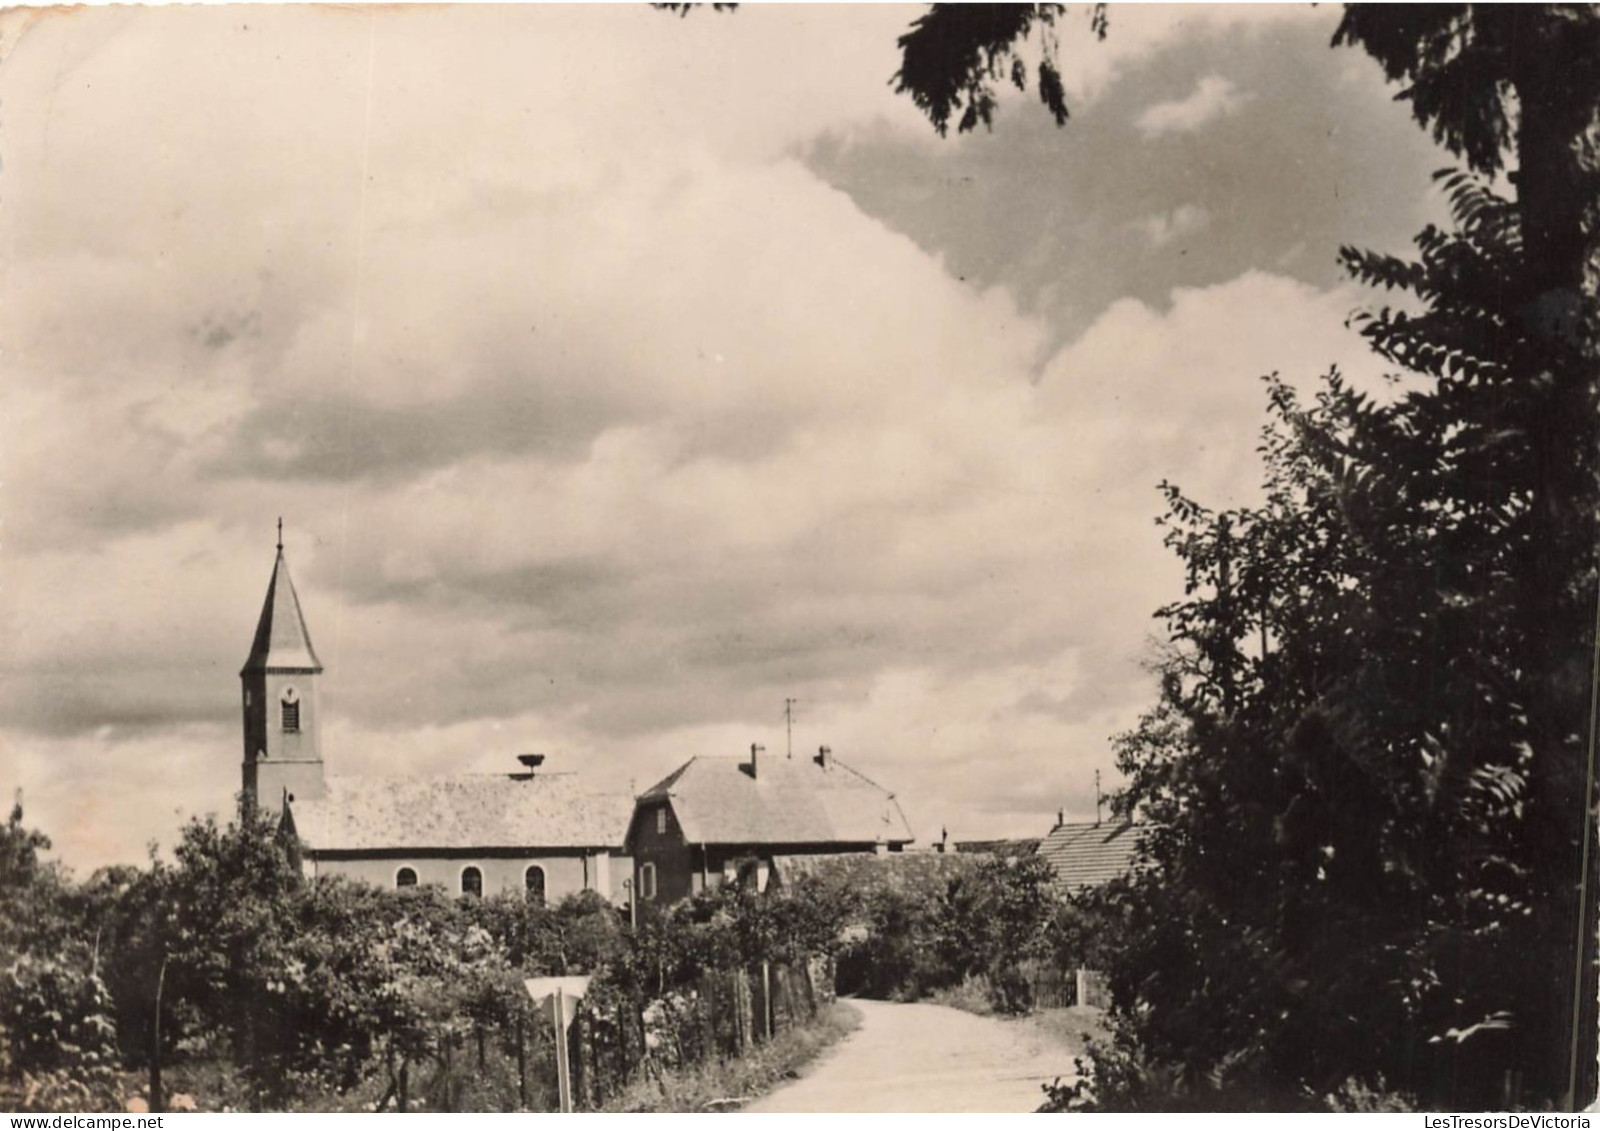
[1510, 338]
[1512, 335]
[1369, 762]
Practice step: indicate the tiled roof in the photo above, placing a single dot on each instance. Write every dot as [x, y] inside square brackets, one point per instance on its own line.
[916, 873]
[469, 811]
[1024, 846]
[1088, 855]
[281, 639]
[791, 801]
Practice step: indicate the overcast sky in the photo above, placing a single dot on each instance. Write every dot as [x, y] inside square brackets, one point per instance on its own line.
[618, 376]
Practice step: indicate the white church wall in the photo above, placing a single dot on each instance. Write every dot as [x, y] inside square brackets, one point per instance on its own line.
[563, 875]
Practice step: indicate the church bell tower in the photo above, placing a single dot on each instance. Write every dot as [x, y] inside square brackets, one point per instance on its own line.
[282, 727]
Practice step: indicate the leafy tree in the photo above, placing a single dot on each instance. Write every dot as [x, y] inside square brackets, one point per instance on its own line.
[1266, 944]
[1513, 85]
[226, 965]
[31, 889]
[954, 53]
[232, 894]
[20, 847]
[227, 951]
[1367, 766]
[57, 1028]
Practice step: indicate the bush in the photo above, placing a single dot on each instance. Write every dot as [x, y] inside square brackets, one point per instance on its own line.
[1010, 992]
[980, 918]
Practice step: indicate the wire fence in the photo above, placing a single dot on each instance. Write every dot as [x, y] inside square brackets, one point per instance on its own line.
[722, 1015]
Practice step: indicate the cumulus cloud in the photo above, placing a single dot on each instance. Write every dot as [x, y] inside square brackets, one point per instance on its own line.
[1064, 218]
[1213, 97]
[600, 423]
[1138, 32]
[955, 576]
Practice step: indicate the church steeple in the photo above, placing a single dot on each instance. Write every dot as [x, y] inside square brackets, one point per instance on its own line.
[281, 640]
[282, 730]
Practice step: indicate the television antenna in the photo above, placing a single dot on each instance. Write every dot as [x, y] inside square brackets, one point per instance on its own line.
[788, 726]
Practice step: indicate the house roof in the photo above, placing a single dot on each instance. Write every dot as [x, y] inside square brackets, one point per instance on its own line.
[1088, 855]
[1022, 846]
[917, 873]
[281, 639]
[467, 811]
[790, 801]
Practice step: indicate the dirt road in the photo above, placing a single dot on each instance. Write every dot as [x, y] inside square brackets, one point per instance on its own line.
[928, 1058]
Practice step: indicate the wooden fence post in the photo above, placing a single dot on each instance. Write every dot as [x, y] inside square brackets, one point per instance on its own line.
[706, 1011]
[522, 1065]
[449, 1073]
[741, 1010]
[157, 1099]
[766, 1001]
[563, 1069]
[578, 1039]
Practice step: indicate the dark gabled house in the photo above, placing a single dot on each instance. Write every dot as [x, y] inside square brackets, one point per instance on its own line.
[711, 817]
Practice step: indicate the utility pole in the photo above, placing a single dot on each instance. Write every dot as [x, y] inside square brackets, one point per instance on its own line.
[788, 725]
[1097, 798]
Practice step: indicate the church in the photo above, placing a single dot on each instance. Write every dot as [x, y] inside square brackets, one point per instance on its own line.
[531, 832]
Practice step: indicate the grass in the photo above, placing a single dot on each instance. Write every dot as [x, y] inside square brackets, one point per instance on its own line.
[1073, 1025]
[729, 1085]
[971, 996]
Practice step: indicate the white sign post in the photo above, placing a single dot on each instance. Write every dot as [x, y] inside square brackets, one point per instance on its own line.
[553, 994]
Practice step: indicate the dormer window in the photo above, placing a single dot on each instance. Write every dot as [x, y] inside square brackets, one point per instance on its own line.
[291, 710]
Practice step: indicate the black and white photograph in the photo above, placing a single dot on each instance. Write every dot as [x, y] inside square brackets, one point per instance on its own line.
[786, 557]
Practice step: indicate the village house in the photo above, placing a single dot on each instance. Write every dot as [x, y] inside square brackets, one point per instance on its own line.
[539, 834]
[1084, 855]
[714, 816]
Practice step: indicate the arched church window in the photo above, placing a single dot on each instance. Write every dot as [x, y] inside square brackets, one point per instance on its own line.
[647, 881]
[471, 881]
[405, 878]
[291, 710]
[533, 882]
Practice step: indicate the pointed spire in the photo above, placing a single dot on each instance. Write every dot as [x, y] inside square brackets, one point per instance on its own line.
[281, 640]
